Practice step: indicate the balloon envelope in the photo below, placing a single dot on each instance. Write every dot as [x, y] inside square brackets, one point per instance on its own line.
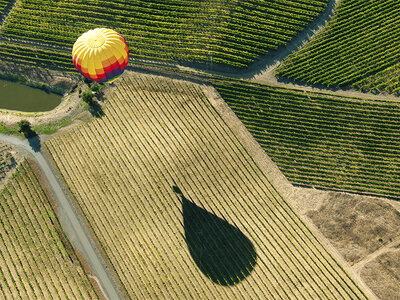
[100, 54]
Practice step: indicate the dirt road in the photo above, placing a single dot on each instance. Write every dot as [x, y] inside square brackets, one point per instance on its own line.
[69, 218]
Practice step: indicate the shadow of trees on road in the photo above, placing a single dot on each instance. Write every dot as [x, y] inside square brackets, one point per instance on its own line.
[220, 250]
[34, 142]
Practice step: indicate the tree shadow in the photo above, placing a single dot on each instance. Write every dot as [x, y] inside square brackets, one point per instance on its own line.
[220, 250]
[32, 137]
[96, 110]
[34, 142]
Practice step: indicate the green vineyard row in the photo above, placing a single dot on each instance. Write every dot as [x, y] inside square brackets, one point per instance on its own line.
[360, 47]
[29, 56]
[3, 5]
[227, 32]
[322, 140]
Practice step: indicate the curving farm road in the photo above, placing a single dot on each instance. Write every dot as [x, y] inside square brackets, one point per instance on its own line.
[70, 220]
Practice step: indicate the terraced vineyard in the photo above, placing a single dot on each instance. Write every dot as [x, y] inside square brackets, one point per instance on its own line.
[34, 260]
[181, 209]
[322, 140]
[360, 47]
[218, 31]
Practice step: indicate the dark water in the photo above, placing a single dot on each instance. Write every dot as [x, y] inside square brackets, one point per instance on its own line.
[16, 96]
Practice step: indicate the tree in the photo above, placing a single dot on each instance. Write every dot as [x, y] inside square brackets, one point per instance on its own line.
[24, 126]
[26, 129]
[97, 89]
[87, 97]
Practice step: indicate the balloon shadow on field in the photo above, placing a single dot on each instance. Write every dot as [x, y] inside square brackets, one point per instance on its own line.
[220, 250]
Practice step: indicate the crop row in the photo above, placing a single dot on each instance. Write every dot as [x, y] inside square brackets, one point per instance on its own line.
[387, 81]
[3, 5]
[230, 33]
[47, 59]
[34, 260]
[317, 140]
[158, 135]
[361, 42]
[7, 160]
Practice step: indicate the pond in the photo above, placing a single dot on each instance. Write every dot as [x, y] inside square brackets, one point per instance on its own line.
[19, 97]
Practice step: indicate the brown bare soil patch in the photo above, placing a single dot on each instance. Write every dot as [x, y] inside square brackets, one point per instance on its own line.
[383, 275]
[356, 225]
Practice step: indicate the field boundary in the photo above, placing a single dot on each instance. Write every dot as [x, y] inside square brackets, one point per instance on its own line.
[284, 188]
[70, 220]
[66, 242]
[354, 192]
[387, 248]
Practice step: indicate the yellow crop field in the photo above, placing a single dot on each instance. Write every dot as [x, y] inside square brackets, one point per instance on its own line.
[180, 208]
[36, 261]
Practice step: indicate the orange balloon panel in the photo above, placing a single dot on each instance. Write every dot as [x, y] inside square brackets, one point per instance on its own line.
[100, 54]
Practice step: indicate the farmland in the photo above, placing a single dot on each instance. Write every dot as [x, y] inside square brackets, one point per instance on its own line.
[34, 57]
[7, 161]
[365, 231]
[322, 140]
[385, 268]
[225, 32]
[3, 5]
[183, 180]
[181, 209]
[36, 260]
[359, 48]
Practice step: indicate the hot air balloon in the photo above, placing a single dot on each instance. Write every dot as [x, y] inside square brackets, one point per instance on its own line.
[100, 54]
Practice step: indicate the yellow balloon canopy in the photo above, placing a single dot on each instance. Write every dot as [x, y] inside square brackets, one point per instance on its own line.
[100, 54]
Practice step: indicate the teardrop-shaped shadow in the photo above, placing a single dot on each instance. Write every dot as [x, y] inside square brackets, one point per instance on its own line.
[221, 251]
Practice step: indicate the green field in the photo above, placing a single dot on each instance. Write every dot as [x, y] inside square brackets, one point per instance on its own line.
[3, 5]
[35, 57]
[36, 260]
[360, 48]
[234, 33]
[322, 140]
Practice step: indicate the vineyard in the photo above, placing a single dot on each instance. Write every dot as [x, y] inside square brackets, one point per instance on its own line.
[36, 260]
[180, 208]
[7, 161]
[383, 81]
[3, 5]
[172, 191]
[234, 33]
[322, 140]
[359, 48]
[33, 57]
